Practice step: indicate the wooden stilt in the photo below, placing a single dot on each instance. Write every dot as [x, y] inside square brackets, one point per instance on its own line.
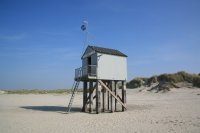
[91, 96]
[103, 99]
[123, 94]
[98, 98]
[111, 97]
[108, 100]
[100, 101]
[116, 88]
[84, 96]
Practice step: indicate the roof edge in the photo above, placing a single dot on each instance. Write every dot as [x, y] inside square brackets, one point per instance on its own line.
[118, 53]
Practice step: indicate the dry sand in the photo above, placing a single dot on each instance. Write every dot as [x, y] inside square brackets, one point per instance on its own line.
[176, 111]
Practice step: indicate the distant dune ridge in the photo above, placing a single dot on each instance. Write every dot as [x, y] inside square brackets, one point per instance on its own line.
[156, 83]
[165, 82]
[37, 91]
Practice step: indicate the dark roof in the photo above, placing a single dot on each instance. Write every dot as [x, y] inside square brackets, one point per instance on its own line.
[107, 51]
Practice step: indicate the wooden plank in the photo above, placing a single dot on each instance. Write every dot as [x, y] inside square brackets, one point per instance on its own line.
[116, 87]
[123, 93]
[84, 96]
[91, 89]
[98, 98]
[88, 98]
[108, 99]
[100, 101]
[112, 94]
[119, 97]
[111, 97]
[103, 100]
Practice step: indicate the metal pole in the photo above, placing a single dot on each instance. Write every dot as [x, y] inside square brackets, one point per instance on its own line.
[84, 28]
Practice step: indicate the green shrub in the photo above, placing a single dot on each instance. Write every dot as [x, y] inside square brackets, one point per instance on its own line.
[186, 76]
[165, 78]
[177, 77]
[152, 80]
[135, 83]
[196, 81]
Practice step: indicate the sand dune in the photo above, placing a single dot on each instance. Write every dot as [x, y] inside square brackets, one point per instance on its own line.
[174, 111]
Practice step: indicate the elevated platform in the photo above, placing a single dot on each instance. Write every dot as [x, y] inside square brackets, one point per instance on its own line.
[85, 78]
[86, 73]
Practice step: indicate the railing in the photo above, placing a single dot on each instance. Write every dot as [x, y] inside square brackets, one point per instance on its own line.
[90, 70]
[78, 73]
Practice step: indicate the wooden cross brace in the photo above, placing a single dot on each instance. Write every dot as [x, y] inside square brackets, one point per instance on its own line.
[112, 94]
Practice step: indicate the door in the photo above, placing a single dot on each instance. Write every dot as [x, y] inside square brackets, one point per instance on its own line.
[89, 65]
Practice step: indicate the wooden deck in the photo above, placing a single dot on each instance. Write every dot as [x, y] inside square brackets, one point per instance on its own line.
[85, 78]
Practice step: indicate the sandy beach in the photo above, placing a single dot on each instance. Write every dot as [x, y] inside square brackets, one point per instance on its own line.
[177, 111]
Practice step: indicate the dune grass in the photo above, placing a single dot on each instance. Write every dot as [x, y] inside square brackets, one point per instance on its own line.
[178, 77]
[40, 91]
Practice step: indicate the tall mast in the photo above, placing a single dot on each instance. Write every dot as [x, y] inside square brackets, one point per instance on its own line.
[84, 28]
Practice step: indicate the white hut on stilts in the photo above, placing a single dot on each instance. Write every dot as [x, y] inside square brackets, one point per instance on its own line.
[104, 75]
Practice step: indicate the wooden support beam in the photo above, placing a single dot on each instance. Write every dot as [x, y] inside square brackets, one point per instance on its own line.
[98, 98]
[112, 86]
[123, 94]
[84, 96]
[91, 89]
[112, 94]
[103, 100]
[116, 94]
[108, 100]
[119, 97]
[88, 98]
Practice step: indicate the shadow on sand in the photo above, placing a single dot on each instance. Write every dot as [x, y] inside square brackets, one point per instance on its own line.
[58, 109]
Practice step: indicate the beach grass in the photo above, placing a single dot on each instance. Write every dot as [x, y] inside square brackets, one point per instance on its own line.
[40, 91]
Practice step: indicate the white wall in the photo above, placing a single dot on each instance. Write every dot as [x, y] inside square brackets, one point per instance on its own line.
[111, 67]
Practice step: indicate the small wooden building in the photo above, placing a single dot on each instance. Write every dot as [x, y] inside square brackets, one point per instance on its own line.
[104, 75]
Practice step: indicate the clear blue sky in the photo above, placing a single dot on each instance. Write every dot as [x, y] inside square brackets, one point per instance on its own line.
[41, 41]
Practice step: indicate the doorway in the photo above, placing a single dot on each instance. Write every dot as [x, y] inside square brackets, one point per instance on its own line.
[89, 66]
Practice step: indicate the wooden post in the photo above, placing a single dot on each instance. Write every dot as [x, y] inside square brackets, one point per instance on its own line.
[103, 98]
[98, 98]
[116, 88]
[111, 98]
[100, 101]
[108, 100]
[84, 96]
[123, 94]
[91, 96]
